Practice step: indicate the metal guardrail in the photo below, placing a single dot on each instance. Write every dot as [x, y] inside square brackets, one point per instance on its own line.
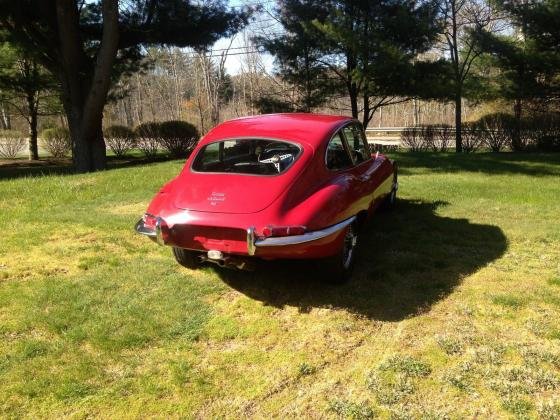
[390, 137]
[384, 137]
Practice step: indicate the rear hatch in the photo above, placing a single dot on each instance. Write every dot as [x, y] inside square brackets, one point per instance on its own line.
[228, 193]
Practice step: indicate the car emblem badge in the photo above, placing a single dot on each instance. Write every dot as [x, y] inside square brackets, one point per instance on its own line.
[216, 197]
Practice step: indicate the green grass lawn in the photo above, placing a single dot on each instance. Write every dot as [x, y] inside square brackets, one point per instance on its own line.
[453, 310]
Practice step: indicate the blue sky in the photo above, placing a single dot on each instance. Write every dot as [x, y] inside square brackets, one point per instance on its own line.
[263, 23]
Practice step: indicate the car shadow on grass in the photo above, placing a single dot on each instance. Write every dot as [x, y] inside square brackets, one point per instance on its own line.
[407, 261]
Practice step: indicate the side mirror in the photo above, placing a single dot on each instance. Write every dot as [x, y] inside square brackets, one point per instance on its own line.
[375, 155]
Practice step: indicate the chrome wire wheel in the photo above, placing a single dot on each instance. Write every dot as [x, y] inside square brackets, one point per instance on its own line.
[350, 241]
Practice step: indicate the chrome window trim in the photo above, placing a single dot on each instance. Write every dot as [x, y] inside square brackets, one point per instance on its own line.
[347, 147]
[295, 143]
[344, 144]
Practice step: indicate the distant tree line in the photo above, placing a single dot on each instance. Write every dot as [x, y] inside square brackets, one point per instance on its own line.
[126, 61]
[379, 52]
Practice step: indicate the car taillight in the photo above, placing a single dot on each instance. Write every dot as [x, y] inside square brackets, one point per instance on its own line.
[273, 231]
[162, 231]
[149, 220]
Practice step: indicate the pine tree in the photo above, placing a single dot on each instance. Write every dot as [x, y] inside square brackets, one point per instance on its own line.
[365, 50]
[298, 53]
[87, 44]
[24, 80]
[528, 61]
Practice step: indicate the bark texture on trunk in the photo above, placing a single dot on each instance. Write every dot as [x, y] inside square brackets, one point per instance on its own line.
[366, 117]
[33, 147]
[5, 117]
[458, 124]
[516, 140]
[85, 83]
[33, 109]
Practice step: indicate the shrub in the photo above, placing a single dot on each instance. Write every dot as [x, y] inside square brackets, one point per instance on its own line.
[178, 137]
[120, 139]
[444, 136]
[57, 141]
[412, 138]
[471, 137]
[496, 130]
[547, 133]
[428, 137]
[549, 143]
[11, 143]
[423, 137]
[147, 138]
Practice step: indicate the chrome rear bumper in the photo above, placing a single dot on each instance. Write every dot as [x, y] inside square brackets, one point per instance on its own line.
[253, 243]
[141, 228]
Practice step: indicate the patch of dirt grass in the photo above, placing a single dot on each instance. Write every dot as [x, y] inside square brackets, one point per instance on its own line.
[451, 312]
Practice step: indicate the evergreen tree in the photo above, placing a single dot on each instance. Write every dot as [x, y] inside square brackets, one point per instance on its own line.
[298, 53]
[374, 49]
[460, 18]
[24, 80]
[366, 50]
[528, 61]
[87, 44]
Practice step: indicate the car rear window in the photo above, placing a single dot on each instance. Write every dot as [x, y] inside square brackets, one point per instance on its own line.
[246, 156]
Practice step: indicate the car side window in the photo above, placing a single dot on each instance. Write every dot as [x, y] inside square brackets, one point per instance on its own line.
[357, 143]
[337, 156]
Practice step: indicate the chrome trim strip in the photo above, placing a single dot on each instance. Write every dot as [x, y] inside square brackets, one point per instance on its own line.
[159, 233]
[251, 241]
[306, 237]
[141, 228]
[348, 123]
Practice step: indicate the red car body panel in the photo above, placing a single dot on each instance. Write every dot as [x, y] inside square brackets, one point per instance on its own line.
[212, 211]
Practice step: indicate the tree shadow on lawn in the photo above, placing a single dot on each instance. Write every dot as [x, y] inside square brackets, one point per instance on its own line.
[19, 168]
[534, 164]
[407, 261]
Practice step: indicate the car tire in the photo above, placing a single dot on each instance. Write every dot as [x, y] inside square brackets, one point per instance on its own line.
[186, 258]
[391, 199]
[338, 268]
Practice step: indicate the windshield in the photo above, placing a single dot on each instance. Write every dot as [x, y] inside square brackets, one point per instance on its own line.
[246, 156]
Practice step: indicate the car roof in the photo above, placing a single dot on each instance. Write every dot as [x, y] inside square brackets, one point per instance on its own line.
[308, 128]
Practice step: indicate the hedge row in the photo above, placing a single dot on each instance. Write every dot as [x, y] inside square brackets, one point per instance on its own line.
[178, 138]
[496, 132]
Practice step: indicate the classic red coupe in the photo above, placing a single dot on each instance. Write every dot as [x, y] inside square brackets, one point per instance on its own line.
[271, 187]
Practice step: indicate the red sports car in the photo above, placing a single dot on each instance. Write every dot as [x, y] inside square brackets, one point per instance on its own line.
[271, 187]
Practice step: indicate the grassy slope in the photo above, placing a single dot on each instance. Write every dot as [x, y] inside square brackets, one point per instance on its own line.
[453, 308]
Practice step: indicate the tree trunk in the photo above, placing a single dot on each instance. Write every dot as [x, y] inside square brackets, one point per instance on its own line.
[366, 118]
[353, 93]
[516, 140]
[85, 83]
[33, 148]
[32, 109]
[351, 84]
[5, 117]
[88, 145]
[127, 108]
[458, 124]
